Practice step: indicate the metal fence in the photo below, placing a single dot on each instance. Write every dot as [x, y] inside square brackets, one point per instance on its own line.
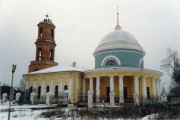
[83, 98]
[61, 99]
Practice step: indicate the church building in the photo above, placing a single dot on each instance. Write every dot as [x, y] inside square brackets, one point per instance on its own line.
[119, 70]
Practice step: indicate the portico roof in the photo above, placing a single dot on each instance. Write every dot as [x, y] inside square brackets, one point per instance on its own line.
[123, 71]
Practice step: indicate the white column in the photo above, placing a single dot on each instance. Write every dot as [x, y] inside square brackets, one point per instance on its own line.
[34, 86]
[84, 89]
[111, 83]
[136, 85]
[27, 84]
[60, 86]
[97, 89]
[91, 83]
[42, 88]
[157, 87]
[160, 90]
[69, 88]
[84, 85]
[144, 87]
[52, 88]
[121, 89]
[111, 94]
[154, 87]
[77, 88]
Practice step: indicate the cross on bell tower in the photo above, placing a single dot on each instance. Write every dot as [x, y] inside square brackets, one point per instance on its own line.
[45, 46]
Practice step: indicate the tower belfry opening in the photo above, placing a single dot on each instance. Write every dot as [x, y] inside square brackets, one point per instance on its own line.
[45, 46]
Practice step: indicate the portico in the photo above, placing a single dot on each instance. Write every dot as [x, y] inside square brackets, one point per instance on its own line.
[124, 83]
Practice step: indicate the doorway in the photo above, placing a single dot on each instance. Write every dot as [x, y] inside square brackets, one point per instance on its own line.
[107, 94]
[39, 92]
[125, 93]
[148, 92]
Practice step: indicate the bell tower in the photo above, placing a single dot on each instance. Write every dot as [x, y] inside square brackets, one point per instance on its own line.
[45, 46]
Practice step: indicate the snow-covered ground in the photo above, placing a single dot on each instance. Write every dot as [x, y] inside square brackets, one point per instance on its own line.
[24, 112]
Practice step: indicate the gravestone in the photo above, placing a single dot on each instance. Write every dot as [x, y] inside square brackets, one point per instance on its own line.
[65, 97]
[32, 97]
[18, 96]
[47, 98]
[163, 97]
[112, 94]
[121, 98]
[90, 99]
[4, 97]
[136, 98]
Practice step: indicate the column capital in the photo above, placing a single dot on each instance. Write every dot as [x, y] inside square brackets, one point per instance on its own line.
[97, 76]
[111, 75]
[144, 76]
[136, 76]
[120, 75]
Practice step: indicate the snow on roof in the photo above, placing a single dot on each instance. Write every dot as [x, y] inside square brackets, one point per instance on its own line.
[60, 68]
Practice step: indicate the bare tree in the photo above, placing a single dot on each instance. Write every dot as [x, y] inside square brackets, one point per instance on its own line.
[22, 84]
[172, 65]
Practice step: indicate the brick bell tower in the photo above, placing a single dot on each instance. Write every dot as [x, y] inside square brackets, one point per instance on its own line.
[45, 46]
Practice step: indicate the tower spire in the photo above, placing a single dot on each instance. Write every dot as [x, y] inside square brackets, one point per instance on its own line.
[117, 26]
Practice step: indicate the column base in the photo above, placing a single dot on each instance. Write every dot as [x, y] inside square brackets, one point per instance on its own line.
[112, 94]
[121, 100]
[98, 99]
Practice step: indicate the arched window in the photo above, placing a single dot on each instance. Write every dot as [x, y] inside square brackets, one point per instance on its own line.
[40, 31]
[30, 89]
[39, 54]
[39, 92]
[110, 60]
[51, 54]
[56, 91]
[65, 87]
[47, 89]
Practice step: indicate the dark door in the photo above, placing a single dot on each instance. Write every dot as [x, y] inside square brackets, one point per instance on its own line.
[47, 89]
[39, 92]
[148, 92]
[107, 94]
[56, 91]
[125, 92]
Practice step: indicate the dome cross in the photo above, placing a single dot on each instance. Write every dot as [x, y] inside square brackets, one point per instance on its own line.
[117, 26]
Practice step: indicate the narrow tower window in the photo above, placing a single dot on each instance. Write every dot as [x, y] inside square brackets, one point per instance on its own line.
[52, 33]
[39, 54]
[51, 54]
[40, 31]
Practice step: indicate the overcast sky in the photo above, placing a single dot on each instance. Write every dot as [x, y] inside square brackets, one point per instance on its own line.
[80, 25]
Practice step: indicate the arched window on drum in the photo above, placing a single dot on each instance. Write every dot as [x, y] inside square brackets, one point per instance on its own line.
[110, 61]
